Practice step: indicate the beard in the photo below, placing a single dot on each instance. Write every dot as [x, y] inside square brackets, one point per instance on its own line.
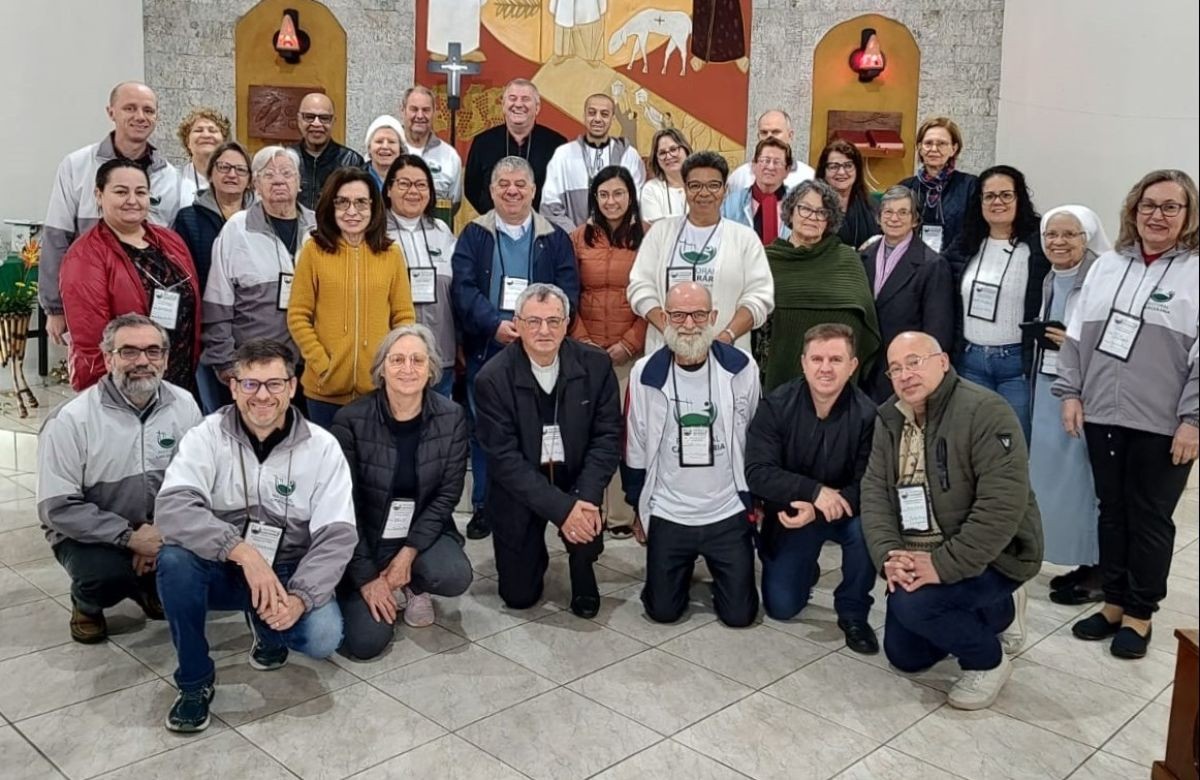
[138, 389]
[689, 347]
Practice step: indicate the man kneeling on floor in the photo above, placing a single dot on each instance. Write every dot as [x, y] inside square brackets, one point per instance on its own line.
[950, 521]
[256, 515]
[101, 458]
[689, 406]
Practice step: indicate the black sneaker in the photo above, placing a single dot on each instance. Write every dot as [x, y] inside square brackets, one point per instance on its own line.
[860, 637]
[267, 659]
[478, 527]
[189, 713]
[585, 606]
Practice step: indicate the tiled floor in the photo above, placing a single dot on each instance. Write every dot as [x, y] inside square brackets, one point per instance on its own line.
[494, 693]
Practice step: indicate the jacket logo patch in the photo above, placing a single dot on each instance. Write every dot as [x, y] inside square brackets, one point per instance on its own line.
[1005, 440]
[1162, 296]
[434, 168]
[165, 440]
[435, 253]
[285, 489]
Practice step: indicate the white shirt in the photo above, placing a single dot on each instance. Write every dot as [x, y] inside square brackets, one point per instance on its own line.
[515, 232]
[697, 247]
[988, 267]
[743, 176]
[546, 376]
[660, 200]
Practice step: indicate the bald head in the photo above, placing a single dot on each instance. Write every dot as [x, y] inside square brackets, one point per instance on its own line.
[129, 88]
[916, 365]
[913, 341]
[688, 296]
[315, 120]
[775, 123]
[133, 109]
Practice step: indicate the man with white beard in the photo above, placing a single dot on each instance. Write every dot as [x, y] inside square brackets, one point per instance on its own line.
[689, 406]
[101, 458]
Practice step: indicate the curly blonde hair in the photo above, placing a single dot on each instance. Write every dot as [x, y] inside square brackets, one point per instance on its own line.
[195, 115]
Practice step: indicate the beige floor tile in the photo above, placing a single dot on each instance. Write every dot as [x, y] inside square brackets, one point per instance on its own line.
[223, 755]
[558, 582]
[986, 745]
[1183, 595]
[559, 735]
[15, 589]
[756, 656]
[622, 611]
[150, 640]
[46, 574]
[23, 544]
[462, 685]
[48, 679]
[445, 758]
[861, 697]
[480, 612]
[888, 764]
[816, 624]
[1185, 564]
[33, 626]
[562, 647]
[626, 556]
[669, 759]
[660, 691]
[1103, 766]
[766, 738]
[409, 645]
[245, 694]
[370, 727]
[21, 761]
[1144, 740]
[21, 513]
[1092, 661]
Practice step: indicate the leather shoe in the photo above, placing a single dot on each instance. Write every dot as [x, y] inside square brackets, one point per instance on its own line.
[88, 629]
[585, 606]
[860, 637]
[1128, 643]
[1095, 628]
[1075, 595]
[479, 527]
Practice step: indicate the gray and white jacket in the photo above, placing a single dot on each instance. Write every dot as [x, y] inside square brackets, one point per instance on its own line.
[427, 243]
[101, 462]
[570, 172]
[241, 299]
[1159, 385]
[216, 485]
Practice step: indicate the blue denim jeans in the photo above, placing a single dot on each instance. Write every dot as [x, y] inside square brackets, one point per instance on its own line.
[999, 369]
[321, 413]
[190, 587]
[213, 394]
[788, 570]
[962, 620]
[445, 386]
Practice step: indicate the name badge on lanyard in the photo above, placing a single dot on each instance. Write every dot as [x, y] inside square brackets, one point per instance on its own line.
[677, 274]
[695, 446]
[164, 308]
[511, 288]
[552, 445]
[423, 283]
[285, 290]
[914, 508]
[264, 538]
[932, 236]
[399, 519]
[1049, 365]
[1119, 335]
[984, 299]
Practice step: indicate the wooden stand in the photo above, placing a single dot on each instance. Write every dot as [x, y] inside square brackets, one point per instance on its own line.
[1183, 733]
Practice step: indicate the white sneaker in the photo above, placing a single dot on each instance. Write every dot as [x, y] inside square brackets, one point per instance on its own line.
[977, 690]
[418, 612]
[1012, 639]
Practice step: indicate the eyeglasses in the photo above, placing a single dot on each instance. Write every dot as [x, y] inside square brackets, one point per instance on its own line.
[308, 119]
[224, 167]
[131, 353]
[358, 204]
[1063, 235]
[404, 185]
[1168, 209]
[1003, 196]
[770, 162]
[834, 167]
[696, 187]
[536, 322]
[699, 317]
[285, 174]
[935, 144]
[911, 363]
[274, 386]
[414, 361]
[808, 212]
[895, 213]
[670, 151]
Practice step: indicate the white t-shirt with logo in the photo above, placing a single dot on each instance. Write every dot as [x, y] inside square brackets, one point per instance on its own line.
[697, 248]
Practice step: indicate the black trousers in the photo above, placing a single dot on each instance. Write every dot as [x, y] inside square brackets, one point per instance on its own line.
[728, 549]
[1138, 488]
[101, 575]
[522, 558]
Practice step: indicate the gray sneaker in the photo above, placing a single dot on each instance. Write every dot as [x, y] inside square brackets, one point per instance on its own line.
[977, 690]
[1012, 639]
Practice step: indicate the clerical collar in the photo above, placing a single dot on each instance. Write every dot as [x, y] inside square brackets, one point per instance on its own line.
[515, 232]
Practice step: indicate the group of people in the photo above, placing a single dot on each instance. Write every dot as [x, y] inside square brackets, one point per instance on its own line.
[711, 362]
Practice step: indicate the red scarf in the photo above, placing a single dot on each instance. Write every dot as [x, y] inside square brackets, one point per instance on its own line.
[768, 213]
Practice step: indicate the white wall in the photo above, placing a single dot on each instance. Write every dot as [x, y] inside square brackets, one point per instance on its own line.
[1096, 93]
[61, 59]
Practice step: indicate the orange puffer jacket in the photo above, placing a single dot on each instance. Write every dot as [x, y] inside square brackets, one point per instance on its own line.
[604, 314]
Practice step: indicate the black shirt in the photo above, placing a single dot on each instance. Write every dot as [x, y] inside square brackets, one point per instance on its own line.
[405, 437]
[262, 449]
[286, 230]
[156, 271]
[490, 146]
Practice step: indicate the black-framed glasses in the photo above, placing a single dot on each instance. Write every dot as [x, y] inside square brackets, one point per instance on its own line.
[1168, 209]
[696, 187]
[224, 167]
[274, 386]
[536, 322]
[308, 119]
[360, 205]
[1002, 196]
[131, 353]
[911, 363]
[700, 316]
[404, 185]
[840, 167]
[808, 212]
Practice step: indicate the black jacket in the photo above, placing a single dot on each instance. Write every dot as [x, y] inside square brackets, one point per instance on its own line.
[199, 225]
[362, 430]
[959, 257]
[510, 431]
[314, 171]
[918, 295]
[494, 144]
[791, 453]
[952, 207]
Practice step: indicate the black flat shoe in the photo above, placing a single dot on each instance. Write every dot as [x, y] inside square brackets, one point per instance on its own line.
[620, 531]
[1128, 643]
[585, 606]
[479, 527]
[1095, 628]
[860, 637]
[1072, 578]
[1076, 595]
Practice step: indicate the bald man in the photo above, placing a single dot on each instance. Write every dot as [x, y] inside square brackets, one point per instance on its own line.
[950, 521]
[133, 110]
[772, 123]
[689, 405]
[320, 155]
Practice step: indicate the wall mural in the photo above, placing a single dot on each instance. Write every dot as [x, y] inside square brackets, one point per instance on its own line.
[678, 63]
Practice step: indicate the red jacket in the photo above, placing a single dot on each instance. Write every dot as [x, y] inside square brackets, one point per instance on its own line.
[98, 282]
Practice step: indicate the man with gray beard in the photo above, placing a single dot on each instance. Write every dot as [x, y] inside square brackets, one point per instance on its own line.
[689, 405]
[101, 458]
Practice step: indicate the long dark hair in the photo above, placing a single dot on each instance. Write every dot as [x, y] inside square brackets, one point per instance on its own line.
[858, 190]
[327, 233]
[410, 161]
[1026, 224]
[629, 234]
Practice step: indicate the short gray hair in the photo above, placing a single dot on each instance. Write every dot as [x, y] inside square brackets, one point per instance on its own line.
[523, 82]
[513, 163]
[395, 334]
[829, 201]
[540, 291]
[264, 156]
[900, 192]
[108, 339]
[787, 118]
[417, 88]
